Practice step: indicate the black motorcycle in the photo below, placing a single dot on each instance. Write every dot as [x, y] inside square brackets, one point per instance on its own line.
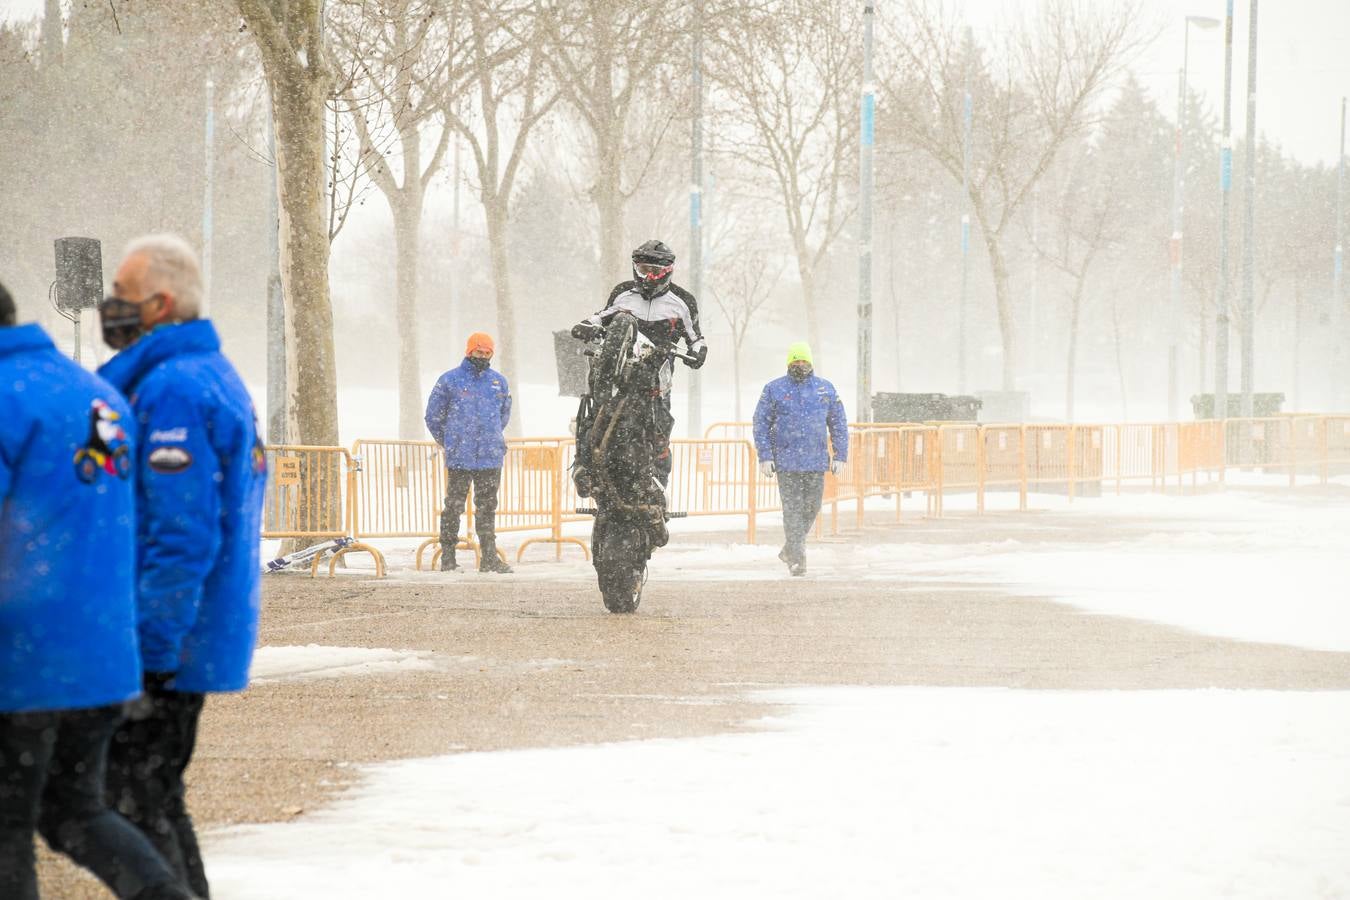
[621, 429]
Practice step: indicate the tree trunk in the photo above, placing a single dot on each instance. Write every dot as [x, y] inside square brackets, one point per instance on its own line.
[406, 206]
[311, 370]
[494, 208]
[1298, 342]
[736, 375]
[1003, 296]
[609, 203]
[1074, 310]
[1120, 363]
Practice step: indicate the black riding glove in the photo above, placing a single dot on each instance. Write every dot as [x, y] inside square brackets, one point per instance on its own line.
[585, 331]
[700, 357]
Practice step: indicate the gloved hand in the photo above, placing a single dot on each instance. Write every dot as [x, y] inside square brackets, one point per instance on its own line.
[585, 331]
[767, 468]
[699, 358]
[836, 466]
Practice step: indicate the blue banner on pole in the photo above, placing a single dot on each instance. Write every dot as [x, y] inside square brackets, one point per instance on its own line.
[869, 105]
[965, 235]
[1225, 168]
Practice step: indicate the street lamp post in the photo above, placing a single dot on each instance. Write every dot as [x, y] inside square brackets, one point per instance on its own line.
[863, 411]
[696, 213]
[1249, 231]
[1338, 319]
[1178, 207]
[966, 115]
[1225, 189]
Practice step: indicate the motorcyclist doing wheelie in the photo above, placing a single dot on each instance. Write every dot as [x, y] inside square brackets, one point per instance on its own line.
[666, 314]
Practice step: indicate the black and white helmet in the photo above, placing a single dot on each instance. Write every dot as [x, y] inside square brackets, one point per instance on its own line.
[653, 264]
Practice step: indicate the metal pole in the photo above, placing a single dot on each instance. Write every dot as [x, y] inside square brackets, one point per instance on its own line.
[965, 214]
[276, 304]
[1225, 189]
[1249, 229]
[1337, 395]
[696, 213]
[208, 191]
[863, 410]
[1174, 305]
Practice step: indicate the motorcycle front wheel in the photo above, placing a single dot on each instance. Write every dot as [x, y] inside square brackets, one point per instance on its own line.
[620, 565]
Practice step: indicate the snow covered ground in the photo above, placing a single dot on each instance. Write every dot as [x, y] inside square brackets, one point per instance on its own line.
[887, 792]
[861, 792]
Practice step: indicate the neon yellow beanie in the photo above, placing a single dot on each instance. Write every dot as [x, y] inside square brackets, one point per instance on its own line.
[800, 352]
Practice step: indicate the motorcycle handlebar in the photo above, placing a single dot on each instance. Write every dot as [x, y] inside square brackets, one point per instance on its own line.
[592, 511]
[597, 332]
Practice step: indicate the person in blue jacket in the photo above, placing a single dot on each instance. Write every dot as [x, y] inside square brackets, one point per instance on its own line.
[466, 414]
[200, 471]
[68, 656]
[794, 415]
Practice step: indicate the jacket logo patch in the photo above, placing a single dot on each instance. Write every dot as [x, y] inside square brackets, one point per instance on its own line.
[106, 447]
[168, 436]
[169, 460]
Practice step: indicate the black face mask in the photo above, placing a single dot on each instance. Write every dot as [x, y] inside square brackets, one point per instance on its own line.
[121, 322]
[798, 374]
[479, 363]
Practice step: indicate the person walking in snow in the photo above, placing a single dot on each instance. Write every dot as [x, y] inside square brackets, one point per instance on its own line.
[200, 471]
[793, 418]
[466, 414]
[67, 617]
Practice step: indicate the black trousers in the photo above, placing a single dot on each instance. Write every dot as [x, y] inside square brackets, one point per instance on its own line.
[802, 493]
[146, 762]
[457, 481]
[52, 781]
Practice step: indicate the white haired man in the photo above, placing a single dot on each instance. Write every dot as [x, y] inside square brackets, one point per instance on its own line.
[200, 471]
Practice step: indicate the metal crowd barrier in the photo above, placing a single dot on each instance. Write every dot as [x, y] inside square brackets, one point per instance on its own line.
[309, 497]
[395, 489]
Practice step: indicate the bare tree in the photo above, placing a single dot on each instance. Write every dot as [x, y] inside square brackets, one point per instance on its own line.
[505, 58]
[401, 60]
[1043, 90]
[605, 55]
[741, 277]
[786, 75]
[1086, 222]
[289, 37]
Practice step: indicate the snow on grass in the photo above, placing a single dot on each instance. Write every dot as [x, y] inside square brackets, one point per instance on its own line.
[858, 792]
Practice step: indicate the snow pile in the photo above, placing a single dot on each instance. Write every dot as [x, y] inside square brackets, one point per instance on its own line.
[273, 664]
[860, 792]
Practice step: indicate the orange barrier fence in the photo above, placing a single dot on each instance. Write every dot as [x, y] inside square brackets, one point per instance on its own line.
[395, 489]
[309, 498]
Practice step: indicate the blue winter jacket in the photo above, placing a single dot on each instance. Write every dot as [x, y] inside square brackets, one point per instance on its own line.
[67, 551]
[467, 413]
[791, 421]
[199, 489]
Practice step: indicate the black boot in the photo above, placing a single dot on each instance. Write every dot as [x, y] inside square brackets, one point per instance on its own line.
[488, 561]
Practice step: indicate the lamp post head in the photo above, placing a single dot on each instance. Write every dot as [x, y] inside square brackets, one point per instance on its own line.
[1204, 22]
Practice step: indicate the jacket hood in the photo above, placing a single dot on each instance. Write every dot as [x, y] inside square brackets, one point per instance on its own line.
[24, 339]
[128, 367]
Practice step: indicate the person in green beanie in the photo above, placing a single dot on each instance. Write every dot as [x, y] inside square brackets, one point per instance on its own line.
[798, 421]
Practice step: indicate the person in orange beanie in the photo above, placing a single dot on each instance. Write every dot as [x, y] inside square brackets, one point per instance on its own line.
[467, 415]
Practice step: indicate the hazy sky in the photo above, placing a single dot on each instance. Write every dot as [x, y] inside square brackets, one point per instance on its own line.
[1303, 61]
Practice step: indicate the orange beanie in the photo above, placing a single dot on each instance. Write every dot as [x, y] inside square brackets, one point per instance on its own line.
[479, 341]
